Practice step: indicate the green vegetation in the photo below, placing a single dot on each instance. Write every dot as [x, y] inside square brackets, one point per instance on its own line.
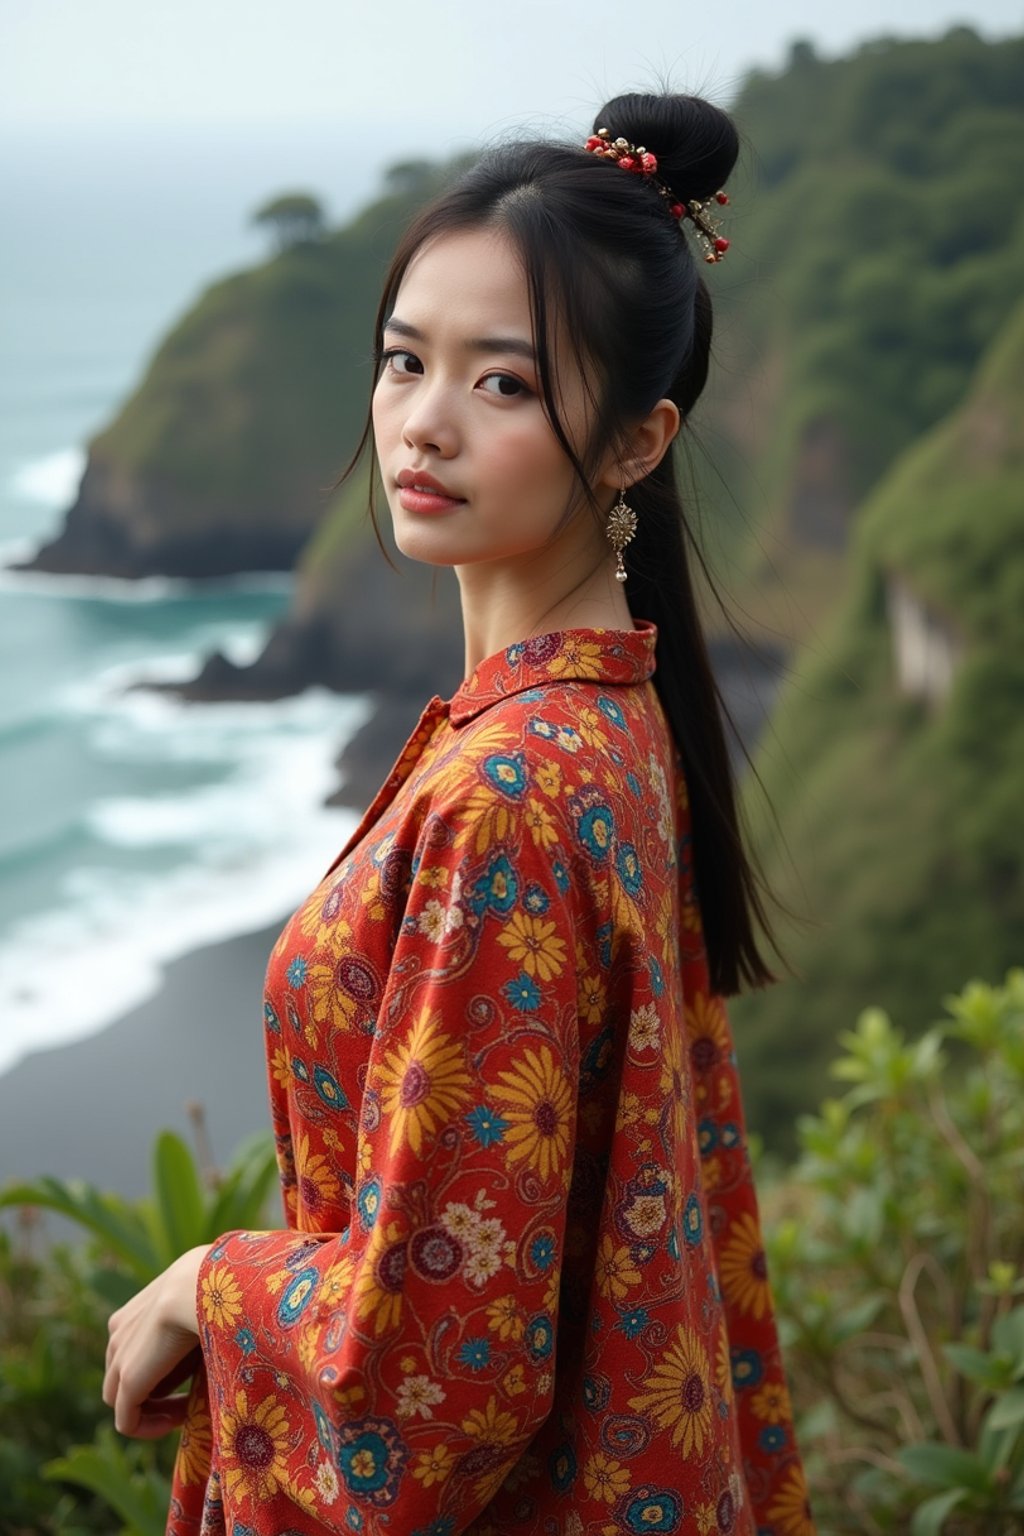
[53, 1336]
[895, 1250]
[903, 823]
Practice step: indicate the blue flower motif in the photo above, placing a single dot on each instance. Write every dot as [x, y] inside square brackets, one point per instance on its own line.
[628, 868]
[611, 711]
[368, 1202]
[595, 830]
[246, 1341]
[299, 1069]
[542, 728]
[442, 1526]
[238, 1529]
[487, 1126]
[540, 1336]
[514, 652]
[296, 972]
[270, 1018]
[747, 1367]
[633, 1322]
[707, 1136]
[604, 944]
[536, 899]
[561, 875]
[542, 1251]
[329, 1089]
[657, 979]
[634, 785]
[354, 1518]
[506, 774]
[693, 1222]
[497, 888]
[654, 1509]
[297, 1296]
[562, 1466]
[772, 1437]
[364, 1461]
[323, 1427]
[522, 993]
[596, 1392]
[475, 1353]
[730, 1134]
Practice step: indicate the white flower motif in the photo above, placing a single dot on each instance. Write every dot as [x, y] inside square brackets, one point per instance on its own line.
[481, 1264]
[460, 1221]
[453, 919]
[418, 1394]
[432, 921]
[644, 1028]
[326, 1480]
[489, 1234]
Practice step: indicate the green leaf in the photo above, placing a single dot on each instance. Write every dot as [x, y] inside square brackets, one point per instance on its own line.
[1008, 1334]
[930, 1517]
[118, 1226]
[179, 1199]
[994, 1371]
[947, 1465]
[1009, 1410]
[140, 1497]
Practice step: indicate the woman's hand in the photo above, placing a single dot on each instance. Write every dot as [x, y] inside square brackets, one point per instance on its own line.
[153, 1348]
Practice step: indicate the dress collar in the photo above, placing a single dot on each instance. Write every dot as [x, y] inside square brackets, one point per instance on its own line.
[608, 656]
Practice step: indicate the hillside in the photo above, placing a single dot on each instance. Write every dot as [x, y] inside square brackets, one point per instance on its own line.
[902, 804]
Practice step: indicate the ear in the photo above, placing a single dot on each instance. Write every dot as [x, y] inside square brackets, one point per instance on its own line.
[646, 445]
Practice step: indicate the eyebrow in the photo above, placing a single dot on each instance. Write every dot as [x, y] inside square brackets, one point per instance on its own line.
[508, 344]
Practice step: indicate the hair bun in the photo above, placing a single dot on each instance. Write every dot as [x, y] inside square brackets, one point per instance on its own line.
[696, 142]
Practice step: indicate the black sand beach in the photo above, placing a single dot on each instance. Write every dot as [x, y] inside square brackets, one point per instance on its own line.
[92, 1109]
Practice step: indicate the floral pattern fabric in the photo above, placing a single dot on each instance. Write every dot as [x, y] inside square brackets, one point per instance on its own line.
[522, 1288]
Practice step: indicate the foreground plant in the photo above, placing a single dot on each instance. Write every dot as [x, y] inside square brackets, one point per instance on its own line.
[896, 1253]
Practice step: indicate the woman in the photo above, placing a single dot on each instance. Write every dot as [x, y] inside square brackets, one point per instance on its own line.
[522, 1287]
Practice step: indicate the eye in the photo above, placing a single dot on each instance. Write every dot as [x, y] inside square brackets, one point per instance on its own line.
[508, 386]
[397, 360]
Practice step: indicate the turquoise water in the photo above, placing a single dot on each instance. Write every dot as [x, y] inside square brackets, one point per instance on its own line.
[132, 826]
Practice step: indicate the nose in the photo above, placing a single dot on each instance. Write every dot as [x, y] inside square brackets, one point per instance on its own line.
[430, 422]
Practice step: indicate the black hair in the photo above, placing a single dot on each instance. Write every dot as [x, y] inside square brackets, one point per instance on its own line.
[609, 266]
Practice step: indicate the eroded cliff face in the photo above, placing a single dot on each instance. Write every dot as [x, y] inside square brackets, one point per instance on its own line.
[131, 523]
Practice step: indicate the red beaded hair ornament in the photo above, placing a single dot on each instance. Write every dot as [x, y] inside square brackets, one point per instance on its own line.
[640, 161]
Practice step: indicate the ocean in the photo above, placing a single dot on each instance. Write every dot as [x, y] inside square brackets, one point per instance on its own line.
[134, 827]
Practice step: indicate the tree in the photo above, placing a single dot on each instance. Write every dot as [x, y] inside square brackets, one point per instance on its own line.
[294, 218]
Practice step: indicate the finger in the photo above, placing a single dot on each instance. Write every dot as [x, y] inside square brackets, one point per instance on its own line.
[186, 1367]
[170, 1411]
[126, 1412]
[109, 1393]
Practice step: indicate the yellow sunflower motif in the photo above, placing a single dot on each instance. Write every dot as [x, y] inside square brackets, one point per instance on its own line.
[771, 1403]
[605, 1478]
[538, 819]
[316, 1185]
[678, 1393]
[491, 1424]
[790, 1513]
[318, 923]
[614, 1270]
[221, 1297]
[254, 1445]
[536, 1099]
[329, 1005]
[423, 1083]
[591, 998]
[674, 1081]
[535, 945]
[195, 1445]
[378, 1286]
[580, 657]
[707, 1032]
[505, 1317]
[281, 1067]
[433, 1466]
[742, 1268]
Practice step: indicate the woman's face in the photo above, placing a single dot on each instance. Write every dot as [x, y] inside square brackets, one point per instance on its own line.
[470, 464]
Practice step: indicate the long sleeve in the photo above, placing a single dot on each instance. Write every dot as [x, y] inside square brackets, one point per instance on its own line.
[398, 1367]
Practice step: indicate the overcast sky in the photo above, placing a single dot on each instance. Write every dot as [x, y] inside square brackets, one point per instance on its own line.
[450, 72]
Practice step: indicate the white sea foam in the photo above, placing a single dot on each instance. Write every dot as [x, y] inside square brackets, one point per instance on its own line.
[51, 480]
[257, 842]
[126, 589]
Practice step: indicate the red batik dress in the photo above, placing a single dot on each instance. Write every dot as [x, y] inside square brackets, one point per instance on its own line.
[522, 1288]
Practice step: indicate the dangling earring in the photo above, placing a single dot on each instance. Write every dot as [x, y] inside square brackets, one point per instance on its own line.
[620, 528]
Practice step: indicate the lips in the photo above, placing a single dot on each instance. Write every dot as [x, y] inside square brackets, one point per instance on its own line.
[420, 480]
